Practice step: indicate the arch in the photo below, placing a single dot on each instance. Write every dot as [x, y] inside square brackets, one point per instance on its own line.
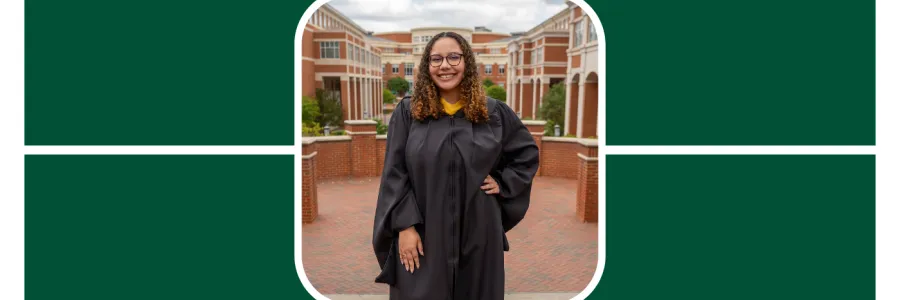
[572, 105]
[590, 103]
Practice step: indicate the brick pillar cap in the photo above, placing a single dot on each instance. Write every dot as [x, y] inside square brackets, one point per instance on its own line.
[360, 122]
[584, 142]
[534, 122]
[311, 140]
[587, 158]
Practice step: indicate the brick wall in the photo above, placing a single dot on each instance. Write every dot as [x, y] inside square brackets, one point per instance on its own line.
[587, 194]
[559, 156]
[536, 128]
[361, 154]
[309, 196]
[335, 155]
[362, 147]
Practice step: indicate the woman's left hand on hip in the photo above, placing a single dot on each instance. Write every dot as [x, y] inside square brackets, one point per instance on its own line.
[490, 186]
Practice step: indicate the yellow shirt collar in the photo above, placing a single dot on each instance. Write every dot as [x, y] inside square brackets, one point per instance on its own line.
[452, 108]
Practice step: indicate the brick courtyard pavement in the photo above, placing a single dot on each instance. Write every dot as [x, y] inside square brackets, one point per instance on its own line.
[550, 251]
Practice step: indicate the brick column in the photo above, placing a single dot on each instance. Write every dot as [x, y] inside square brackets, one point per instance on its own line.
[536, 127]
[362, 148]
[309, 198]
[587, 193]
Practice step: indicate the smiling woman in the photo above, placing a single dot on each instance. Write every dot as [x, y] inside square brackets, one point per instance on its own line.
[457, 176]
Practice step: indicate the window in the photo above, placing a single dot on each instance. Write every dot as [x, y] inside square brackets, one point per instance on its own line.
[408, 69]
[487, 69]
[592, 34]
[521, 58]
[329, 50]
[540, 55]
[500, 84]
[579, 33]
[495, 50]
[502, 69]
[395, 69]
[533, 56]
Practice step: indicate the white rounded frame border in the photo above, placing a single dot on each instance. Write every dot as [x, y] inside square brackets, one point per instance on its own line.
[601, 163]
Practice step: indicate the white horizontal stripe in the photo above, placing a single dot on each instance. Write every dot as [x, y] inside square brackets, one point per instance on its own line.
[163, 150]
[736, 150]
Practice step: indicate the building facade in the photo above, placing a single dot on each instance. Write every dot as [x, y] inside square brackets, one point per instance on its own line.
[354, 65]
[339, 59]
[402, 51]
[560, 50]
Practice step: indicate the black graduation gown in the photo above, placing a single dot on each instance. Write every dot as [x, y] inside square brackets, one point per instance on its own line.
[433, 171]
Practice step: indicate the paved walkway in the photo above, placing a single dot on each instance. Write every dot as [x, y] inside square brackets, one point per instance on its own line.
[518, 296]
[550, 250]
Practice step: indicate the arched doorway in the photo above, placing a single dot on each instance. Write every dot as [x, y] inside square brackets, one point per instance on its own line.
[589, 124]
[572, 103]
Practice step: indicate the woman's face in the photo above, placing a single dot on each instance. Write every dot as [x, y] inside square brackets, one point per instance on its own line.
[446, 64]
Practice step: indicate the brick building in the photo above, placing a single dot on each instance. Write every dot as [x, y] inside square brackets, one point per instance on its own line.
[562, 49]
[339, 57]
[402, 51]
[354, 64]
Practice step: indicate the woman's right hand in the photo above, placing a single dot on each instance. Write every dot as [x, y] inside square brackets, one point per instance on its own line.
[410, 249]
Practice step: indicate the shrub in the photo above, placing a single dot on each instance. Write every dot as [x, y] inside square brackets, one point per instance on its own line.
[553, 108]
[330, 109]
[380, 127]
[496, 92]
[311, 129]
[487, 82]
[388, 96]
[398, 85]
[310, 109]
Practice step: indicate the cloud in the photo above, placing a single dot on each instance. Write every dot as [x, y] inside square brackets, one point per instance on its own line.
[401, 15]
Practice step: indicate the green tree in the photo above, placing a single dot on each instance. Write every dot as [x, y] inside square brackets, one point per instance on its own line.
[388, 96]
[487, 82]
[380, 127]
[311, 129]
[330, 109]
[553, 108]
[311, 112]
[398, 85]
[496, 92]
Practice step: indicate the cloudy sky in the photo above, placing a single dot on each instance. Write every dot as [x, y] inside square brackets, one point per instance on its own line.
[400, 15]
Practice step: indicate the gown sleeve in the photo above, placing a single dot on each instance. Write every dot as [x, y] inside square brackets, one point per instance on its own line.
[396, 208]
[517, 168]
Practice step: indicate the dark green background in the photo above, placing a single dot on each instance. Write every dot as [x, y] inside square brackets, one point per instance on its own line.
[711, 72]
[221, 72]
[678, 227]
[160, 227]
[739, 227]
[160, 72]
[798, 72]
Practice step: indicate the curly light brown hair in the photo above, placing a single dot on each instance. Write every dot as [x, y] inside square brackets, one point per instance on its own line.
[426, 99]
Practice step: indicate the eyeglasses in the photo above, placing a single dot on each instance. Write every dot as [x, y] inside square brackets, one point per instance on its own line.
[453, 59]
